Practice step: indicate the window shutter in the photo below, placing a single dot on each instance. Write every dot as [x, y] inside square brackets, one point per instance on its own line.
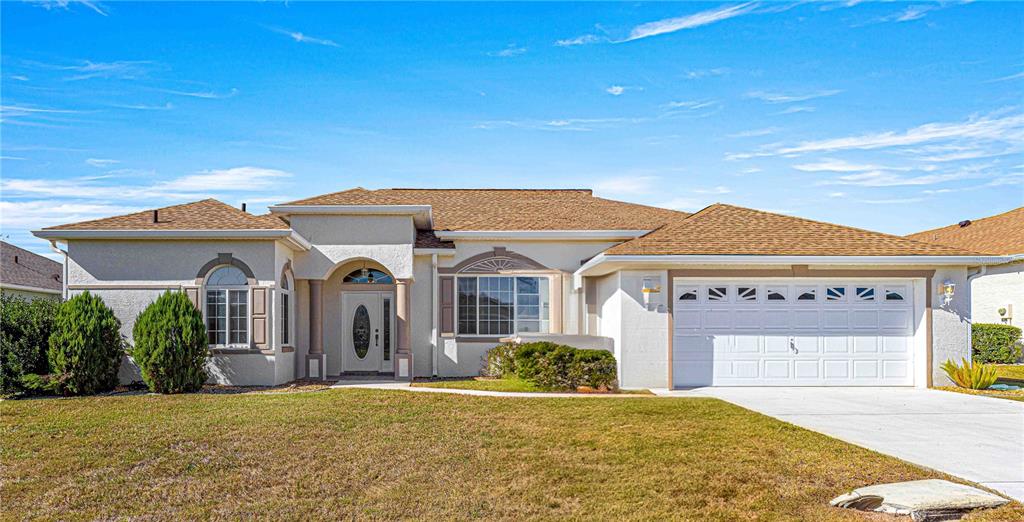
[259, 318]
[447, 285]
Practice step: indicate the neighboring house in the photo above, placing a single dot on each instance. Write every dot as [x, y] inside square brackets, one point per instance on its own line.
[997, 292]
[29, 275]
[420, 282]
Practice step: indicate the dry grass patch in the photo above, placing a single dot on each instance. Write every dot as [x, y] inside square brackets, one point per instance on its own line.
[1013, 395]
[371, 454]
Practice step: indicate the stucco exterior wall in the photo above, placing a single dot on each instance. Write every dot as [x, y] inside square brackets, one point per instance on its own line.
[387, 240]
[609, 314]
[643, 352]
[999, 287]
[129, 275]
[421, 310]
[951, 324]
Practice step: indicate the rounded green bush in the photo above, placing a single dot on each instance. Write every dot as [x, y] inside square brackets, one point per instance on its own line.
[995, 343]
[85, 346]
[170, 345]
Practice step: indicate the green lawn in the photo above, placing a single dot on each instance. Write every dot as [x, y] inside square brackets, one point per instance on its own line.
[367, 454]
[510, 384]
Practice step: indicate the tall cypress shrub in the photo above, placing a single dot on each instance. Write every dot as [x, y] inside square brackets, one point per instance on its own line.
[85, 346]
[170, 345]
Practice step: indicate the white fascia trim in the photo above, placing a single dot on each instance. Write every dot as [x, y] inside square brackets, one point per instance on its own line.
[8, 286]
[433, 251]
[661, 260]
[540, 235]
[295, 239]
[167, 234]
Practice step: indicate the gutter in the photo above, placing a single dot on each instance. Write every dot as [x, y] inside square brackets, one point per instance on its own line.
[35, 289]
[64, 269]
[288, 235]
[541, 235]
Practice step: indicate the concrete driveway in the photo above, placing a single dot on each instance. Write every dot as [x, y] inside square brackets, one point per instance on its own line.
[980, 439]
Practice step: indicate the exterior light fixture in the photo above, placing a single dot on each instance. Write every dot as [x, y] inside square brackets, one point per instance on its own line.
[650, 287]
[947, 290]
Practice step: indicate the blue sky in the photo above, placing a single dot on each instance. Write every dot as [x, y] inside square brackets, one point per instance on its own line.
[888, 116]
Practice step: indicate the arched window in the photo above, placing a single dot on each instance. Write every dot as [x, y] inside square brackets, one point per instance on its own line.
[227, 307]
[286, 310]
[369, 276]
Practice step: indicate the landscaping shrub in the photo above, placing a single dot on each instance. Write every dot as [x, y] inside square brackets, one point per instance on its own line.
[552, 366]
[500, 361]
[995, 343]
[85, 346]
[24, 334]
[974, 376]
[170, 345]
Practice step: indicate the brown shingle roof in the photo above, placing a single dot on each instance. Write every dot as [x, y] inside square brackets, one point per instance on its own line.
[32, 270]
[728, 230]
[500, 209]
[427, 239]
[1000, 234]
[208, 214]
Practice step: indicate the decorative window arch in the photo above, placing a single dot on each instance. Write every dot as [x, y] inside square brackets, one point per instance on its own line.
[369, 276]
[225, 259]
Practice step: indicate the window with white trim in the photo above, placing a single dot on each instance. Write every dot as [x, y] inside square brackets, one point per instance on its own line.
[502, 305]
[227, 307]
[286, 312]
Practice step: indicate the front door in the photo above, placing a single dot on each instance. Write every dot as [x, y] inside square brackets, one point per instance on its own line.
[367, 319]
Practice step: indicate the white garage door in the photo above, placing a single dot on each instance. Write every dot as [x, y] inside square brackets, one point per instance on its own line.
[793, 333]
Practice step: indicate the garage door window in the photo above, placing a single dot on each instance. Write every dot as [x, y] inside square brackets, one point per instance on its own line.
[865, 293]
[688, 294]
[776, 293]
[807, 293]
[718, 293]
[894, 294]
[835, 293]
[747, 293]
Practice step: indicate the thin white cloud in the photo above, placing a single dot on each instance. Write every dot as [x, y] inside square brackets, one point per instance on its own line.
[100, 162]
[698, 74]
[671, 25]
[881, 178]
[1018, 76]
[304, 38]
[615, 90]
[579, 40]
[684, 204]
[893, 201]
[909, 13]
[206, 95]
[509, 51]
[43, 213]
[233, 179]
[13, 158]
[753, 133]
[143, 107]
[691, 104]
[795, 109]
[721, 189]
[779, 97]
[19, 77]
[838, 165]
[64, 4]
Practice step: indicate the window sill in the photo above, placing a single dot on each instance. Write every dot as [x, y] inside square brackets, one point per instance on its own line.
[240, 351]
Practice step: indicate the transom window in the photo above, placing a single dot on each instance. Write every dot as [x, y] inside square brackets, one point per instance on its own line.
[502, 305]
[747, 293]
[227, 307]
[807, 294]
[894, 294]
[689, 294]
[865, 293]
[717, 293]
[775, 293]
[835, 293]
[369, 276]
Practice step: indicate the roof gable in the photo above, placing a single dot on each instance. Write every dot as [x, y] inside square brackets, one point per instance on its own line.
[23, 268]
[729, 230]
[208, 214]
[510, 209]
[1000, 234]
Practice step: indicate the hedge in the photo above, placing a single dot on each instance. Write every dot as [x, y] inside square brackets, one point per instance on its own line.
[24, 337]
[995, 343]
[553, 366]
[170, 345]
[85, 347]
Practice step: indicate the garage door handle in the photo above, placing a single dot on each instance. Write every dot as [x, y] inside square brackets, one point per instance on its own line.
[792, 345]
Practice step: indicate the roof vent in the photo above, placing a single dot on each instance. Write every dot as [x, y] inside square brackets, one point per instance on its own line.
[15, 259]
[156, 215]
[964, 223]
[243, 207]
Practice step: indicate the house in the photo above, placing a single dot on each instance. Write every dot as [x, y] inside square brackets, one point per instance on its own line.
[997, 292]
[29, 275]
[422, 282]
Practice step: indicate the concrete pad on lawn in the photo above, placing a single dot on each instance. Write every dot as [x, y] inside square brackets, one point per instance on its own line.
[980, 439]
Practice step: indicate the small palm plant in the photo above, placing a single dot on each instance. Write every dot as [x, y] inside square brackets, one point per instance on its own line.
[968, 375]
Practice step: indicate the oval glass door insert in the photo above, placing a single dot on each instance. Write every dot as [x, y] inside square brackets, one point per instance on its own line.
[361, 332]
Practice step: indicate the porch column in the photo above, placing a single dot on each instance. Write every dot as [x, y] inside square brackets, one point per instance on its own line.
[403, 352]
[316, 366]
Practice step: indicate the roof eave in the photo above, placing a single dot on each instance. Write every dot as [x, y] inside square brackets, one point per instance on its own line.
[540, 235]
[422, 214]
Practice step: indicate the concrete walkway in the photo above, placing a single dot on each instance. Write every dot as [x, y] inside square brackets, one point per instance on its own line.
[980, 439]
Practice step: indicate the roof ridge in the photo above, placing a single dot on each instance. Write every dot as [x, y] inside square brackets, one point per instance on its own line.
[587, 190]
[973, 221]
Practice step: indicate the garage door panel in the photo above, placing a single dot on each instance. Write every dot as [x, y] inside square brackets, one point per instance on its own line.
[798, 332]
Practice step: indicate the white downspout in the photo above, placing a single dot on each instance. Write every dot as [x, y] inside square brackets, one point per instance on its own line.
[64, 270]
[433, 314]
[982, 270]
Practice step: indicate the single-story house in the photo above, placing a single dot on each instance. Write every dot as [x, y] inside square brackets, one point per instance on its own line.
[29, 275]
[997, 292]
[422, 282]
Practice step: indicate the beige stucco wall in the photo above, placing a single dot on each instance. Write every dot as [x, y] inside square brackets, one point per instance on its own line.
[387, 240]
[999, 287]
[131, 274]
